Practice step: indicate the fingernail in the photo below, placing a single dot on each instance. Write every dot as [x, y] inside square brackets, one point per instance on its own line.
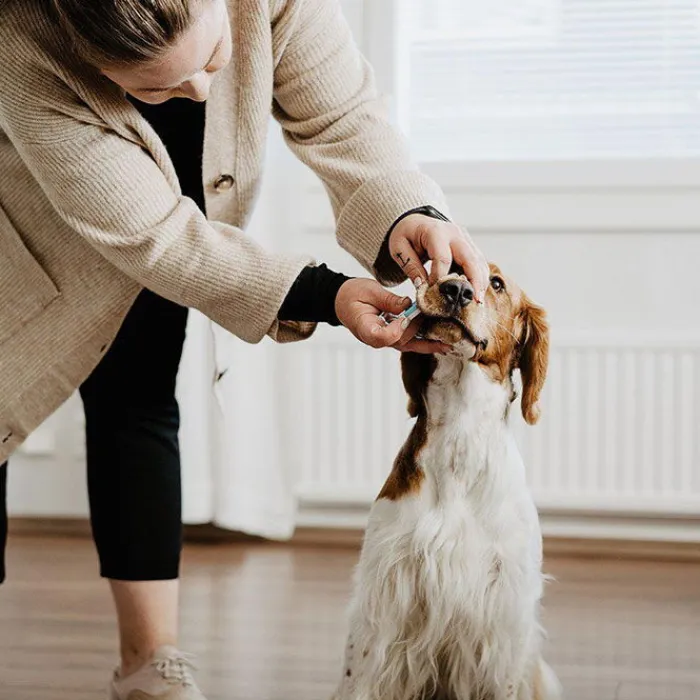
[407, 301]
[418, 283]
[405, 324]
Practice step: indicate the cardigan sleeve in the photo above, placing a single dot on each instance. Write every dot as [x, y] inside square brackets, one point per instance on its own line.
[327, 104]
[111, 192]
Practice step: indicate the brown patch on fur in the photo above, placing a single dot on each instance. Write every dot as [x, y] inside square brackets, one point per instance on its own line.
[406, 476]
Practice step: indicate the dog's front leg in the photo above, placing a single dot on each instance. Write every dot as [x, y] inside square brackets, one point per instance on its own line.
[538, 683]
[348, 682]
[355, 683]
[545, 684]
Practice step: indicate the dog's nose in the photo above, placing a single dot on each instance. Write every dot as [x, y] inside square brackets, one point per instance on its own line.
[457, 292]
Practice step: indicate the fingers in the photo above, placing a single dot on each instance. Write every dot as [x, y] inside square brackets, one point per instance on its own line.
[474, 265]
[372, 331]
[418, 237]
[446, 242]
[438, 247]
[409, 343]
[410, 330]
[408, 260]
[384, 300]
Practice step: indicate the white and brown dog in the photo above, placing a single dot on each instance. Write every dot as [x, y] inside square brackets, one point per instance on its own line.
[448, 587]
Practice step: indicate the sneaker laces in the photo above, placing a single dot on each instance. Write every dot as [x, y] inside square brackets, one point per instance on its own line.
[176, 668]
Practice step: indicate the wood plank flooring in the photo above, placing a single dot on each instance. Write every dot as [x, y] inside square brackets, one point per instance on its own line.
[268, 621]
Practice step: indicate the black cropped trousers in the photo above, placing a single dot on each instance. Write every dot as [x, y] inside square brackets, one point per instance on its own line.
[133, 458]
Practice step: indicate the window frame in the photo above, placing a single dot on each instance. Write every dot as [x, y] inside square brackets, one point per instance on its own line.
[382, 22]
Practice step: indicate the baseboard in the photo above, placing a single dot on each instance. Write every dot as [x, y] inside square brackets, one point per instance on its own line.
[583, 548]
[572, 547]
[561, 545]
[49, 527]
[80, 527]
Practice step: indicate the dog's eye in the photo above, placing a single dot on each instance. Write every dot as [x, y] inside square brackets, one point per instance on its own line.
[497, 284]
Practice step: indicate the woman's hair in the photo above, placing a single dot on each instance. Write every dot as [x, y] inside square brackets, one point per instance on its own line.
[124, 32]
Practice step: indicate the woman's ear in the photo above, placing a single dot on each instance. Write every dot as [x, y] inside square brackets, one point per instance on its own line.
[533, 359]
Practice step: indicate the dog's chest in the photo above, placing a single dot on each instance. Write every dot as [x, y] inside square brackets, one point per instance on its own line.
[467, 545]
[476, 537]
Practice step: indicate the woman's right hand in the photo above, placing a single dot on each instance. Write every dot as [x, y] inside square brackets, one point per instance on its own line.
[359, 305]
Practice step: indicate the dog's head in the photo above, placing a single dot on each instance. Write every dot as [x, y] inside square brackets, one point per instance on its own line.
[507, 332]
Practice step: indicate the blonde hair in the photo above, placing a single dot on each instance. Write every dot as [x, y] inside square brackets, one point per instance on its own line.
[124, 32]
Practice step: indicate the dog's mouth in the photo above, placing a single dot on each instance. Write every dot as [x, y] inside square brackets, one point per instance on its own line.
[467, 333]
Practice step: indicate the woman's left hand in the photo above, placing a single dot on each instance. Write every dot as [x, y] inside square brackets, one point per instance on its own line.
[418, 238]
[359, 304]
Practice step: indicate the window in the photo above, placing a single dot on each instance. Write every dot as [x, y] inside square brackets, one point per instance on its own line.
[548, 80]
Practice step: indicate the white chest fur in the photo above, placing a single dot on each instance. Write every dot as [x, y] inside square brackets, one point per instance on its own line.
[449, 580]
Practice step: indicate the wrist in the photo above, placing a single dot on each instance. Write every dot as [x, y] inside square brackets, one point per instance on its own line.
[343, 295]
[408, 224]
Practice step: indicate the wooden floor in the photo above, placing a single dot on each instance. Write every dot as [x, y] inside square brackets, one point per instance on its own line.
[267, 623]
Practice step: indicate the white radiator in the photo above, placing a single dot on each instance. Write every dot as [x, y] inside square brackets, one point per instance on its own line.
[618, 436]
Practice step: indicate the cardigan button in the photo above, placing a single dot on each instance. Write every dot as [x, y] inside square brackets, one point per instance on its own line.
[223, 182]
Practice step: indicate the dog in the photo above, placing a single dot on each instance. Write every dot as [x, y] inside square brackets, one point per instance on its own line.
[448, 587]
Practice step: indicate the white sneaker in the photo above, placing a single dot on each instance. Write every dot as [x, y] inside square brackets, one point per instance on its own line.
[167, 676]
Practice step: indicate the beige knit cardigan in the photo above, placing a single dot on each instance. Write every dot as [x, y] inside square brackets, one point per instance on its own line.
[91, 209]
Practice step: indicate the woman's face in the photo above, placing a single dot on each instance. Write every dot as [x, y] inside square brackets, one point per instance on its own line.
[188, 67]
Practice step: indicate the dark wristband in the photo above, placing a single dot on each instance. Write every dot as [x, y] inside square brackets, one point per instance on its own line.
[312, 296]
[426, 211]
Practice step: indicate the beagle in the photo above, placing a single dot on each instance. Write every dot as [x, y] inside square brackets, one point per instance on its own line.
[448, 587]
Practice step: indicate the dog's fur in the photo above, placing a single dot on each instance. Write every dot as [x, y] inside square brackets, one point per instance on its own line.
[448, 587]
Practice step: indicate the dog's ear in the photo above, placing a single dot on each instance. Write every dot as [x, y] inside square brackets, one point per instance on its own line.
[416, 372]
[533, 358]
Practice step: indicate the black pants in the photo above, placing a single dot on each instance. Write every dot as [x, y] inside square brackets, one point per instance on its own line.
[133, 457]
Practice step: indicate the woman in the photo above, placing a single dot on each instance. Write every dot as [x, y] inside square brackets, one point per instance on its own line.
[104, 243]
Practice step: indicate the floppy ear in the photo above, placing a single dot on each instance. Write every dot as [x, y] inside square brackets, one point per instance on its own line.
[533, 359]
[416, 372]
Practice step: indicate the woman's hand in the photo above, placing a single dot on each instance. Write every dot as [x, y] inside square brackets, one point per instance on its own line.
[359, 304]
[418, 238]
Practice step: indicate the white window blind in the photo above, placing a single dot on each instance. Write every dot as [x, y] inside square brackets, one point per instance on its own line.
[537, 80]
